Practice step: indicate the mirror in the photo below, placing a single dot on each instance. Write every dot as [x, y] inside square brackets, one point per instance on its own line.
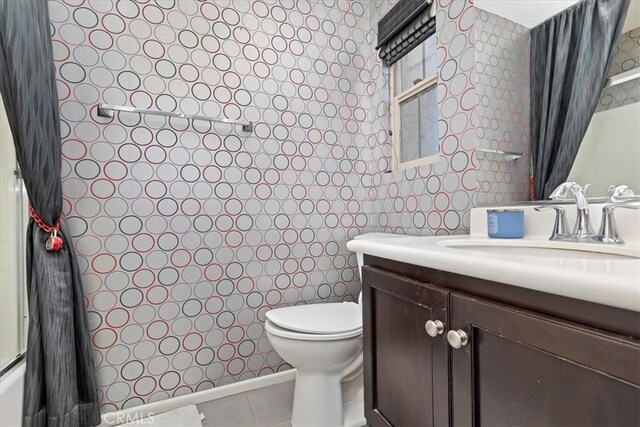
[608, 154]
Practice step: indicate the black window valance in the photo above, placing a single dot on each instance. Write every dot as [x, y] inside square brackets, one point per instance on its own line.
[406, 25]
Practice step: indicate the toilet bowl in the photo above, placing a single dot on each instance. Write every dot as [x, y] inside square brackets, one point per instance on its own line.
[324, 343]
[322, 356]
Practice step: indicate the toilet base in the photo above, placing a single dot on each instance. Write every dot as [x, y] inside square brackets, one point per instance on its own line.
[353, 414]
[317, 400]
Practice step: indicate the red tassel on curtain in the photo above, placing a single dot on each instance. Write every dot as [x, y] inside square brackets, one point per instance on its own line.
[54, 242]
[532, 189]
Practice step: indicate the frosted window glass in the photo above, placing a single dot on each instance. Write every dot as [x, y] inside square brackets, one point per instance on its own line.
[418, 64]
[410, 129]
[429, 122]
[419, 126]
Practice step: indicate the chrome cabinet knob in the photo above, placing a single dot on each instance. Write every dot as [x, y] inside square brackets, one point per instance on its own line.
[434, 327]
[457, 338]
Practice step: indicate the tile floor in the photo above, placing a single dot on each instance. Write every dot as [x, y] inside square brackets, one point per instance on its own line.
[265, 407]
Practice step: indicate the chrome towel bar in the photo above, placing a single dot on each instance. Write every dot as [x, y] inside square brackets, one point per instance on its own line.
[509, 155]
[625, 76]
[107, 111]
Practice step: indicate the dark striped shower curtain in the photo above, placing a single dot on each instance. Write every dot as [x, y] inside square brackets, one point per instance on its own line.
[60, 383]
[570, 57]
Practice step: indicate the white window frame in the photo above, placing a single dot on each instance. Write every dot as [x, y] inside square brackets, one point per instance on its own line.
[426, 83]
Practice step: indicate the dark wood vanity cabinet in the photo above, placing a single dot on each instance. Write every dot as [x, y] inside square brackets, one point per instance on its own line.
[514, 366]
[522, 369]
[406, 379]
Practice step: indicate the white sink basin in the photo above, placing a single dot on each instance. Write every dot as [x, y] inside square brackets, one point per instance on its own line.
[545, 248]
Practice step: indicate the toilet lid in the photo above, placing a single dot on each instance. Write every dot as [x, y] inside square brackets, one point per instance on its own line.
[330, 318]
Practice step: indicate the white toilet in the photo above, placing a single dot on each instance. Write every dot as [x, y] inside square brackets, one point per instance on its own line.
[324, 343]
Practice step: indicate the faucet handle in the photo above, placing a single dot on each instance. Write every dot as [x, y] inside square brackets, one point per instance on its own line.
[617, 192]
[560, 227]
[608, 232]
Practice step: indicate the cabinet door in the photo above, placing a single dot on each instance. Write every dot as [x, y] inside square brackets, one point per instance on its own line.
[517, 368]
[405, 369]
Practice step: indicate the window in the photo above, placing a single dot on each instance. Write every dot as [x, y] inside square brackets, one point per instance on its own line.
[414, 107]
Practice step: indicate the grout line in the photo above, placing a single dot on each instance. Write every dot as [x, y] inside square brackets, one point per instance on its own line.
[253, 417]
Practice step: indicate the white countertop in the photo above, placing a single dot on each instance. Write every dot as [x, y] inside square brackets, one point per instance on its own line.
[613, 281]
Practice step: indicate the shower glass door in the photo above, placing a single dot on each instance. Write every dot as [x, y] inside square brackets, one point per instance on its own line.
[13, 221]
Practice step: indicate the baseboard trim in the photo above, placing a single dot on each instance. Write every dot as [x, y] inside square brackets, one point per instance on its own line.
[142, 411]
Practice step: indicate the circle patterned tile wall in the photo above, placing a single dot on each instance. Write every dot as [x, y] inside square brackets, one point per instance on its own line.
[626, 57]
[434, 199]
[501, 74]
[187, 233]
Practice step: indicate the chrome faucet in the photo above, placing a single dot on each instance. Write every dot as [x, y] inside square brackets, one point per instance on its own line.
[582, 230]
